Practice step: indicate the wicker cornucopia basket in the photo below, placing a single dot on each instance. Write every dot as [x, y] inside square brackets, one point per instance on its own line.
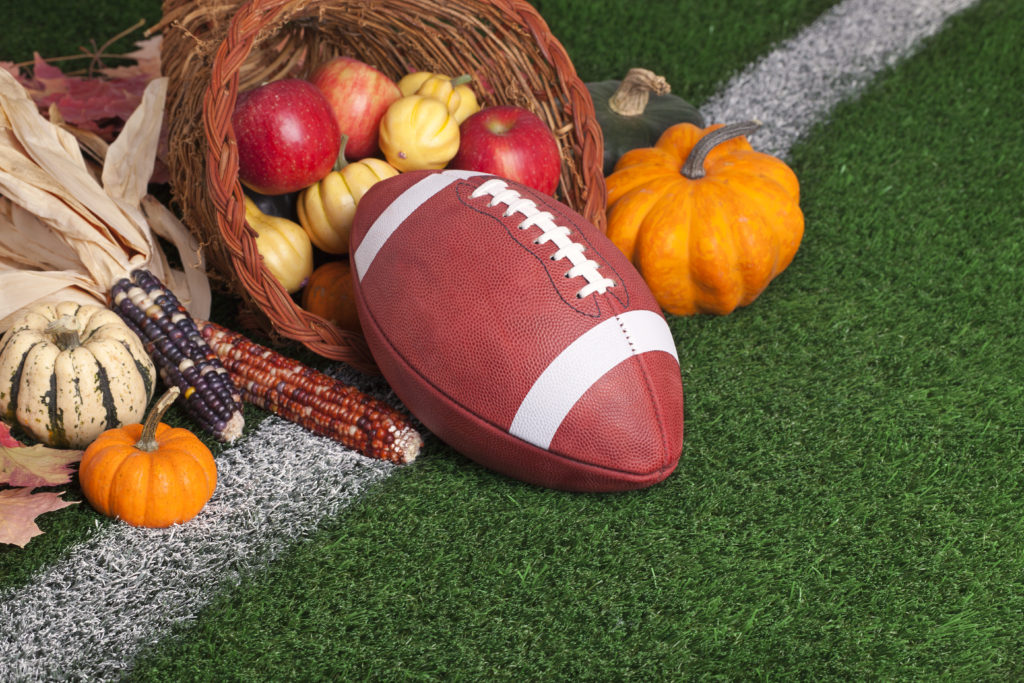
[212, 50]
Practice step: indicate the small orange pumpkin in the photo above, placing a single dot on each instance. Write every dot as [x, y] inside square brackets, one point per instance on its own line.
[706, 220]
[330, 294]
[150, 474]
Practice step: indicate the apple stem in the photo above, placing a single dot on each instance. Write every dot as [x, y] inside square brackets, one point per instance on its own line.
[341, 161]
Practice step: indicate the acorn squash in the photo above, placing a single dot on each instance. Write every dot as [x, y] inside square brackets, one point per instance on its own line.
[635, 111]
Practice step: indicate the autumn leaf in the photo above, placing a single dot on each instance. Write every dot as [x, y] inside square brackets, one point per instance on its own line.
[13, 69]
[147, 61]
[34, 466]
[99, 105]
[5, 437]
[19, 509]
[101, 101]
[29, 466]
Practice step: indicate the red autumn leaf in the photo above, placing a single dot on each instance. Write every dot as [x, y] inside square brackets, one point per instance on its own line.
[36, 465]
[101, 102]
[6, 439]
[147, 61]
[13, 69]
[97, 104]
[19, 509]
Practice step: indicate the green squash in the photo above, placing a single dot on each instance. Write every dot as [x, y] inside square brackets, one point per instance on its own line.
[635, 111]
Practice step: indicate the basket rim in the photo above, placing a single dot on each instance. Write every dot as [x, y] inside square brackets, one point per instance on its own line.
[224, 190]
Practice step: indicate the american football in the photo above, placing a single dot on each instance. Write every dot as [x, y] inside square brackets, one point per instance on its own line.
[516, 332]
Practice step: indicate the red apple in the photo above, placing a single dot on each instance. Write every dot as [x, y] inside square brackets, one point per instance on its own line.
[359, 95]
[510, 142]
[287, 137]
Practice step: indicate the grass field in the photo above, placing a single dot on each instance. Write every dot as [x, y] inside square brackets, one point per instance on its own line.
[848, 503]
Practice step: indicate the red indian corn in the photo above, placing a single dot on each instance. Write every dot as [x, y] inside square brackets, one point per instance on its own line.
[307, 397]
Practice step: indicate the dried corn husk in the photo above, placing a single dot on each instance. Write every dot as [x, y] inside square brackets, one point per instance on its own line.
[68, 229]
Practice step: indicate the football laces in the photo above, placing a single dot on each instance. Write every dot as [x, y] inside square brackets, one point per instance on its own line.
[501, 193]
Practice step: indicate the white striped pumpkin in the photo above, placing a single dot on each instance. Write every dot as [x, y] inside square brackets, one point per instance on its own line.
[69, 371]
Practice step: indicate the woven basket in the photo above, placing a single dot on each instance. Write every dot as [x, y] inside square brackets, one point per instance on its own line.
[213, 50]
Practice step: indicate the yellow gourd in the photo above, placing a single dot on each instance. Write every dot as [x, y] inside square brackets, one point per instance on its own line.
[418, 132]
[410, 83]
[284, 245]
[327, 208]
[454, 92]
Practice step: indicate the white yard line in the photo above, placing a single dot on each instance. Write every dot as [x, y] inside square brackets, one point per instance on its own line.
[88, 615]
[798, 84]
[124, 588]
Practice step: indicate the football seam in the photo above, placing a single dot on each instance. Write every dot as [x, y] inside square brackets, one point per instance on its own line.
[651, 396]
[655, 475]
[619, 282]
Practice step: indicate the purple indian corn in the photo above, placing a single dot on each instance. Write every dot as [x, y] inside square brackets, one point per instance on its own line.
[318, 402]
[182, 356]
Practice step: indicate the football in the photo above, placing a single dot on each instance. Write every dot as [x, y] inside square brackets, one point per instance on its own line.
[516, 332]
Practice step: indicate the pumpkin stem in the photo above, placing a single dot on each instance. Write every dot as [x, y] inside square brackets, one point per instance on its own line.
[341, 162]
[65, 331]
[635, 90]
[460, 80]
[694, 166]
[147, 441]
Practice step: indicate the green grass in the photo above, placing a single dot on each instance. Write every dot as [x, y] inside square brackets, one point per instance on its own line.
[848, 501]
[696, 46]
[57, 28]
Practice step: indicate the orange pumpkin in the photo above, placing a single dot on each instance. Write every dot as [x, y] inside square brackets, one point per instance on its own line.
[150, 474]
[706, 220]
[330, 295]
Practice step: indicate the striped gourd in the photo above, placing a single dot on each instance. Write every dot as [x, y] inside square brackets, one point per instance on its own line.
[182, 357]
[318, 402]
[70, 371]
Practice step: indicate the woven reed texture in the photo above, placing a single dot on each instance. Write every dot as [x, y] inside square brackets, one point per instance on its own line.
[212, 50]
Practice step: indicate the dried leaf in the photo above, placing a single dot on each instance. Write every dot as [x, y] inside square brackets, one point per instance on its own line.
[19, 509]
[70, 233]
[23, 288]
[28, 240]
[100, 105]
[191, 284]
[129, 162]
[38, 465]
[147, 61]
[12, 68]
[6, 439]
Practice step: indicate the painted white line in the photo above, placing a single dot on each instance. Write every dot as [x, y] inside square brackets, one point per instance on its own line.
[88, 616]
[798, 84]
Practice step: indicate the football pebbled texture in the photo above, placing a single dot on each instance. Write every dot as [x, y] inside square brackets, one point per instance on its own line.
[516, 332]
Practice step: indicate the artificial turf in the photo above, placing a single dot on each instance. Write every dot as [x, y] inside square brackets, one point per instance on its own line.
[848, 501]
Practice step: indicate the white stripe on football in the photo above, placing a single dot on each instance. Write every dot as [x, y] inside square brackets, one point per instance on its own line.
[517, 332]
